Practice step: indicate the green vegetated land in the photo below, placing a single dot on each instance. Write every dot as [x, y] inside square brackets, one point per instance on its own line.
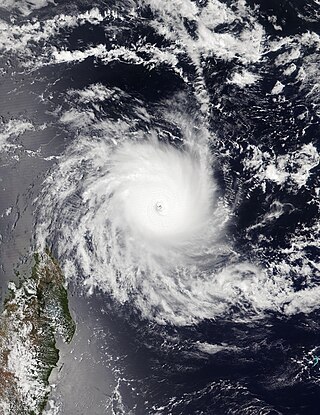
[35, 312]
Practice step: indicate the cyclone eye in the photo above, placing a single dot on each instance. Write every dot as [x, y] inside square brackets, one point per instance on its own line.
[160, 208]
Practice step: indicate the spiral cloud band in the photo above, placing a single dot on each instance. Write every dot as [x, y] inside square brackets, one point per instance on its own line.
[144, 222]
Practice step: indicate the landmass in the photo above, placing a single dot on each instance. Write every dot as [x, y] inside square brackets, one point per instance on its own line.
[35, 313]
